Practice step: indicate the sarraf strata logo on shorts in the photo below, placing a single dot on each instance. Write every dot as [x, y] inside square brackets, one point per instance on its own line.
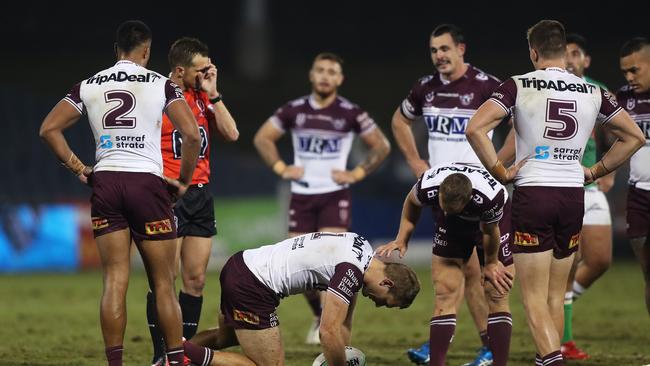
[158, 227]
[245, 316]
[526, 239]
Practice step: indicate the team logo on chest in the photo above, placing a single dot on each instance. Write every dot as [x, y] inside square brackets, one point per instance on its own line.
[466, 99]
[339, 123]
[429, 97]
[301, 118]
[631, 103]
[318, 145]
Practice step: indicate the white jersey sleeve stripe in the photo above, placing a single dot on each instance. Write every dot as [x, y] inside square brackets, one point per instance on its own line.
[503, 106]
[405, 111]
[618, 110]
[172, 101]
[73, 104]
[368, 130]
[340, 296]
[275, 121]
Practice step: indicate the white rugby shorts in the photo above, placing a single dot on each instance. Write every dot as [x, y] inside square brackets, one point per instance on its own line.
[596, 208]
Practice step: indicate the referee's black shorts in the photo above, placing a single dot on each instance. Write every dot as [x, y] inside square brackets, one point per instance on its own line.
[195, 212]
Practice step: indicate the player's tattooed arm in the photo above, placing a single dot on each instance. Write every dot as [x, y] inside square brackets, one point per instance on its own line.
[379, 149]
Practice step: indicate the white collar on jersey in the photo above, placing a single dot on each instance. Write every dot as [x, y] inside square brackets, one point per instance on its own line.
[312, 102]
[120, 62]
[558, 69]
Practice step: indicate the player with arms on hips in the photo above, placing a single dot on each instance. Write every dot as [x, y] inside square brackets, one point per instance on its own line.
[341, 264]
[470, 207]
[193, 71]
[130, 196]
[322, 125]
[635, 98]
[445, 101]
[554, 114]
[595, 252]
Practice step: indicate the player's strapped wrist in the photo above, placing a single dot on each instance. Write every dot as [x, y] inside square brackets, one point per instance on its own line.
[279, 167]
[358, 173]
[599, 170]
[74, 164]
[499, 172]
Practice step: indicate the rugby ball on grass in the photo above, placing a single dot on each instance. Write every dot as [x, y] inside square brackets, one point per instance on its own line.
[353, 357]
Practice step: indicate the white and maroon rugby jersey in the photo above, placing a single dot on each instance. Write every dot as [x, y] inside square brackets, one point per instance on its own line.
[332, 261]
[322, 139]
[125, 104]
[638, 106]
[554, 113]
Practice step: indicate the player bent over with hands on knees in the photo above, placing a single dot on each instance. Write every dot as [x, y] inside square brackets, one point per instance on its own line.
[469, 206]
[255, 280]
[554, 113]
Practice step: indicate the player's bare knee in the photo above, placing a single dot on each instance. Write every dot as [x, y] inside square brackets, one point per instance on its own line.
[446, 296]
[194, 284]
[556, 303]
[494, 297]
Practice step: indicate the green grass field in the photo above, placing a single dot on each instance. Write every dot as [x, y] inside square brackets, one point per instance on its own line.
[52, 319]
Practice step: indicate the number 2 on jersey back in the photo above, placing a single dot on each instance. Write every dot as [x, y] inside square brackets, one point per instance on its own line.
[116, 117]
[563, 124]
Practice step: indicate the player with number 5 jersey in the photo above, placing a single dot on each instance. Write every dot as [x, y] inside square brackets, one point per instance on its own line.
[554, 113]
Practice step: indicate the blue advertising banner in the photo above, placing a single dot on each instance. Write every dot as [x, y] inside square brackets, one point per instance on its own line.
[38, 238]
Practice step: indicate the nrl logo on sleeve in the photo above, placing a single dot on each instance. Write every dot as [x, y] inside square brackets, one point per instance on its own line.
[158, 227]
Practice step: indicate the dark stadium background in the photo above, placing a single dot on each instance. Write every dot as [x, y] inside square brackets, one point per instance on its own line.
[263, 50]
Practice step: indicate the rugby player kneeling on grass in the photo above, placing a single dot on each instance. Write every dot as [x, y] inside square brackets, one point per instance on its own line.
[253, 282]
